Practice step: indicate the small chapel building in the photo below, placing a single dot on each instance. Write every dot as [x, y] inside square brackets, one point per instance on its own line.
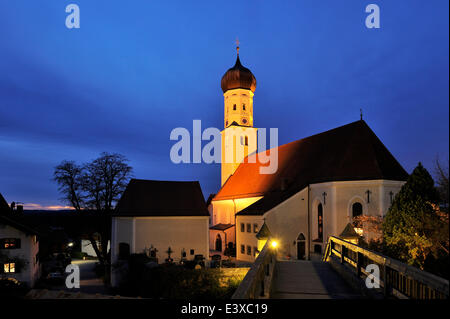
[160, 218]
[321, 184]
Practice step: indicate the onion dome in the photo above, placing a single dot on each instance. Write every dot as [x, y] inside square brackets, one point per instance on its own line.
[238, 77]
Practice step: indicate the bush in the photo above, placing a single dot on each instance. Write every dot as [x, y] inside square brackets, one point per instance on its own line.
[11, 288]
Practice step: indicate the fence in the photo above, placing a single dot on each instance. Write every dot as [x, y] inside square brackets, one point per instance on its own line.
[396, 278]
[258, 281]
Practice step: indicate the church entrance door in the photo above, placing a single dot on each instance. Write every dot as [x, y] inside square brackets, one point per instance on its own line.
[301, 249]
[218, 243]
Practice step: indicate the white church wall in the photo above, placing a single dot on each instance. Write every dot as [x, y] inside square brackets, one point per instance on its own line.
[288, 219]
[246, 236]
[340, 198]
[285, 221]
[188, 233]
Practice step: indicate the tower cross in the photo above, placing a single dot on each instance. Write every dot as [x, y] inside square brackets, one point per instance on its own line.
[237, 45]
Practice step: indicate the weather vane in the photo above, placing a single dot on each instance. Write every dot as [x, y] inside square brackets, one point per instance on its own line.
[237, 45]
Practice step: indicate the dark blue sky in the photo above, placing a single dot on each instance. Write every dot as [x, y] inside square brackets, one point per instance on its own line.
[135, 70]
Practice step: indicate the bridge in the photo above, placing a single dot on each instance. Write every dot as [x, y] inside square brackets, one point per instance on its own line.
[341, 273]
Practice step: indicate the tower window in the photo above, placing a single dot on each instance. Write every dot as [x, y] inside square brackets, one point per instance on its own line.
[243, 106]
[234, 107]
[246, 141]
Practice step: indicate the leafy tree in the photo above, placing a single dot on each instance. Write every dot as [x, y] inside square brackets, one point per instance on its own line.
[441, 173]
[95, 187]
[414, 229]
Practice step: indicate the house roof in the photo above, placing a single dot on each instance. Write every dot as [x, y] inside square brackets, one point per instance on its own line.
[3, 204]
[161, 198]
[349, 232]
[16, 220]
[347, 153]
[264, 232]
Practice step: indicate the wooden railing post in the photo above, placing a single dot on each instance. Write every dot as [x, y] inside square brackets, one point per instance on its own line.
[343, 248]
[359, 260]
[385, 281]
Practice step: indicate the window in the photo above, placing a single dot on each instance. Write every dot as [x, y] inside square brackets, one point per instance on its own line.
[10, 243]
[9, 268]
[234, 107]
[255, 228]
[357, 210]
[244, 140]
[242, 227]
[320, 221]
[192, 251]
[243, 106]
[249, 250]
[249, 228]
[242, 249]
[255, 251]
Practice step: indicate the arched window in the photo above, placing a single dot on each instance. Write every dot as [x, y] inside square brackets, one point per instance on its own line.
[357, 210]
[234, 107]
[320, 221]
[243, 106]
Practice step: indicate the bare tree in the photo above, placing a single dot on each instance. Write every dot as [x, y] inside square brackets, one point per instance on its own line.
[68, 176]
[95, 186]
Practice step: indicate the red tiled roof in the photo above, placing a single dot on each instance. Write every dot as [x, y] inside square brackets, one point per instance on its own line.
[349, 152]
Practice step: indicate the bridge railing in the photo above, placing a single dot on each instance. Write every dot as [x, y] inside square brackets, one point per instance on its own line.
[396, 278]
[257, 283]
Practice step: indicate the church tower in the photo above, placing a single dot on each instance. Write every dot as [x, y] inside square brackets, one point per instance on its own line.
[239, 138]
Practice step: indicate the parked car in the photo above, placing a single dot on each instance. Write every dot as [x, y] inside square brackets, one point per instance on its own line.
[56, 275]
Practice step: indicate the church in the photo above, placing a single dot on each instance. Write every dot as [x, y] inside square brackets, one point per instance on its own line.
[321, 184]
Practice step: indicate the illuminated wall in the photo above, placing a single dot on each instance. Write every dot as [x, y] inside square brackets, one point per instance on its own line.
[224, 210]
[238, 107]
[238, 141]
[290, 218]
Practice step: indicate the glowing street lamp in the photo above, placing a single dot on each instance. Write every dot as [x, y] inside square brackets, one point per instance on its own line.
[274, 244]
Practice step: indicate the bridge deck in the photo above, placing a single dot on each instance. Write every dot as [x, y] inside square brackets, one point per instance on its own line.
[309, 280]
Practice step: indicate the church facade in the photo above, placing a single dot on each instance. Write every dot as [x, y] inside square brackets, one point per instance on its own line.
[321, 184]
